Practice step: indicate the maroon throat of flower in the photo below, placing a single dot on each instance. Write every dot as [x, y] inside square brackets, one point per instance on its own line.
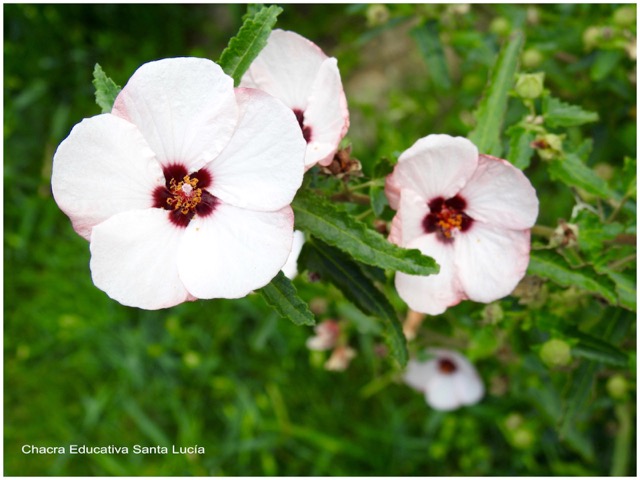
[446, 218]
[184, 194]
[306, 130]
[446, 366]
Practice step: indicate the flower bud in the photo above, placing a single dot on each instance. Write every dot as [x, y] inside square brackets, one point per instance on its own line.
[523, 438]
[591, 37]
[377, 14]
[532, 58]
[556, 353]
[549, 146]
[530, 85]
[617, 387]
[500, 26]
[625, 16]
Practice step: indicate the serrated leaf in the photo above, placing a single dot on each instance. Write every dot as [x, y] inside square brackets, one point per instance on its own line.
[560, 114]
[493, 106]
[551, 265]
[281, 294]
[316, 215]
[427, 37]
[346, 274]
[574, 173]
[596, 349]
[106, 89]
[250, 40]
[520, 150]
[378, 200]
[626, 289]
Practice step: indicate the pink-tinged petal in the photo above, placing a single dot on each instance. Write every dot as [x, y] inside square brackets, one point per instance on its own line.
[133, 259]
[436, 166]
[392, 191]
[395, 231]
[491, 260]
[327, 115]
[501, 195]
[413, 209]
[441, 393]
[290, 268]
[286, 68]
[262, 166]
[185, 108]
[234, 251]
[102, 168]
[434, 293]
[419, 374]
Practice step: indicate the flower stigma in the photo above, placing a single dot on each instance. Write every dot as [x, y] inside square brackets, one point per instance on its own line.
[447, 217]
[186, 195]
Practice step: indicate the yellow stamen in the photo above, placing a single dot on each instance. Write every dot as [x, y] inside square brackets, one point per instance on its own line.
[186, 195]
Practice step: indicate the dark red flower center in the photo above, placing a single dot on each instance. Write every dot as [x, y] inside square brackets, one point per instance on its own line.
[184, 194]
[445, 217]
[446, 366]
[306, 130]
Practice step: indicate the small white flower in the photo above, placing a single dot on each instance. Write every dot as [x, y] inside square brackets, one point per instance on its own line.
[448, 380]
[327, 333]
[472, 213]
[296, 71]
[340, 359]
[183, 190]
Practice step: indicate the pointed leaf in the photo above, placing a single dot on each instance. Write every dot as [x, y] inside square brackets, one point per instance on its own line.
[106, 89]
[520, 150]
[346, 274]
[493, 106]
[573, 172]
[551, 265]
[246, 45]
[322, 219]
[282, 296]
[596, 349]
[560, 114]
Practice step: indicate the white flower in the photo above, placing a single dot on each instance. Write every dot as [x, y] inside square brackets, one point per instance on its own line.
[290, 269]
[184, 188]
[340, 359]
[296, 71]
[448, 379]
[472, 213]
[327, 333]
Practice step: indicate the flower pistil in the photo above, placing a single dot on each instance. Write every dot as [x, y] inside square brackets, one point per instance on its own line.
[186, 195]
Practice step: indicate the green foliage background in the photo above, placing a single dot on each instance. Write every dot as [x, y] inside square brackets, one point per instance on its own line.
[235, 378]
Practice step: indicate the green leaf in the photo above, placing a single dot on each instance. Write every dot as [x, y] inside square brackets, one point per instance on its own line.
[346, 274]
[559, 114]
[382, 168]
[492, 108]
[378, 199]
[106, 89]
[428, 39]
[625, 287]
[520, 150]
[606, 61]
[573, 172]
[282, 296]
[316, 215]
[596, 349]
[551, 265]
[246, 45]
[576, 396]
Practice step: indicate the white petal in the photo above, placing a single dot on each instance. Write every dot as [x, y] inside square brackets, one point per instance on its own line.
[185, 108]
[392, 191]
[434, 293]
[491, 260]
[290, 268]
[262, 166]
[102, 168]
[419, 374]
[133, 259]
[441, 393]
[500, 194]
[436, 166]
[286, 68]
[326, 115]
[234, 251]
[414, 209]
[469, 387]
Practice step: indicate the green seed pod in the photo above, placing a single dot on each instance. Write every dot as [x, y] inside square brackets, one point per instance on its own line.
[530, 85]
[556, 353]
